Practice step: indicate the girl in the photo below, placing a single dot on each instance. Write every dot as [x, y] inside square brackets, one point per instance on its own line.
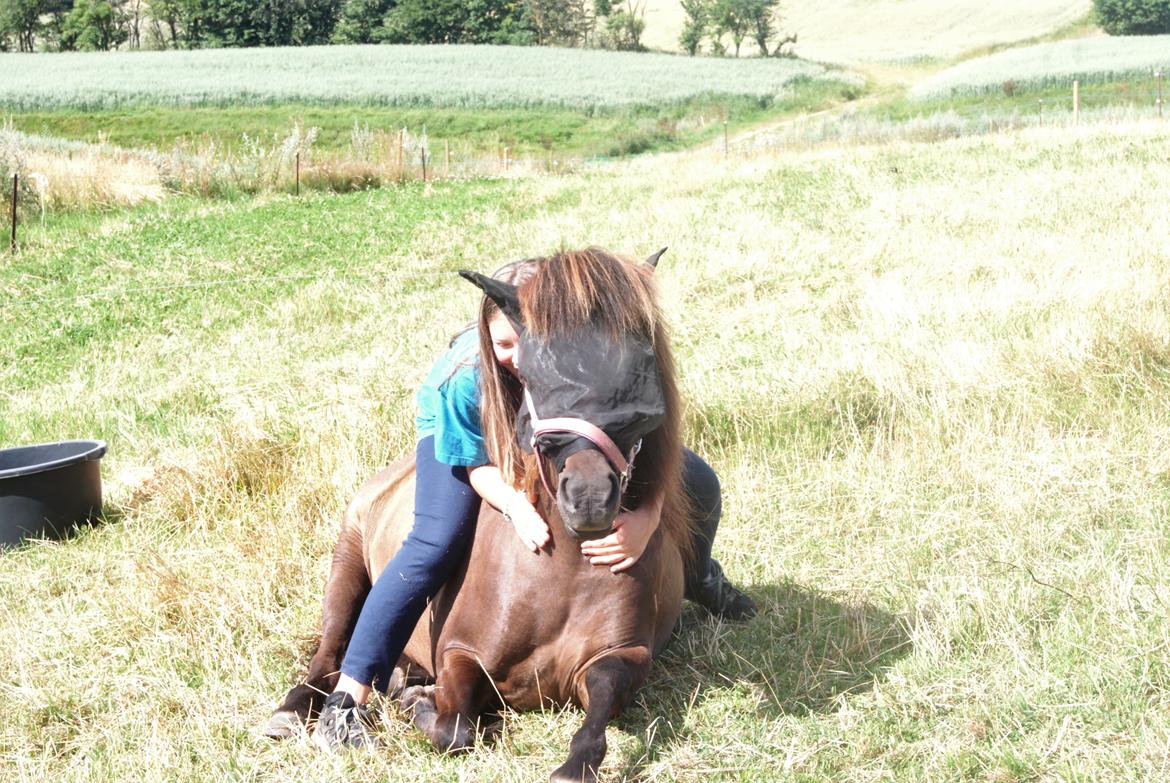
[466, 408]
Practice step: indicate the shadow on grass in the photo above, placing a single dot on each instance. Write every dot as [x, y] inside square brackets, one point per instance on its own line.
[799, 656]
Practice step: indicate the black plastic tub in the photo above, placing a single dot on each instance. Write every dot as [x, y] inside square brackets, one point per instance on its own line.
[47, 491]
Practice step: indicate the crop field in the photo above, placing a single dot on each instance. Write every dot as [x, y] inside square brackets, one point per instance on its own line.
[860, 31]
[934, 380]
[536, 102]
[459, 76]
[1091, 60]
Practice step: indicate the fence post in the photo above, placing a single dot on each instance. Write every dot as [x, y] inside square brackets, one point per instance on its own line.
[298, 190]
[15, 190]
[725, 153]
[423, 155]
[1158, 76]
[446, 157]
[1076, 101]
[507, 158]
[401, 145]
[1040, 102]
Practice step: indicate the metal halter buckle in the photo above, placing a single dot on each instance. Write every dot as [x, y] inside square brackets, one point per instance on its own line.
[629, 471]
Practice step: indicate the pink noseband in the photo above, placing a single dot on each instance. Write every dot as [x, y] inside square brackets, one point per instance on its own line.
[594, 434]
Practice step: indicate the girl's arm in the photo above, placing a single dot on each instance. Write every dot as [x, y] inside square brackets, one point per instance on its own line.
[514, 504]
[631, 532]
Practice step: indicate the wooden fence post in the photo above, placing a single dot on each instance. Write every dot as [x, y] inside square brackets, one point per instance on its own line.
[423, 155]
[298, 190]
[1158, 76]
[15, 191]
[401, 145]
[1040, 102]
[1076, 101]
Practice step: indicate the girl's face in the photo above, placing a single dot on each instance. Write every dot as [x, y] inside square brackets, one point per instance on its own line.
[505, 342]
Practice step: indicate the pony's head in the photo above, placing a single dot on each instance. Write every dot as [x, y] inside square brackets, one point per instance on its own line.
[599, 395]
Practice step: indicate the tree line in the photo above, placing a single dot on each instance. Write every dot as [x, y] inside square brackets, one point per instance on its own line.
[100, 25]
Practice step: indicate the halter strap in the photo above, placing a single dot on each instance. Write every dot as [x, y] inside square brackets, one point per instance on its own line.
[591, 432]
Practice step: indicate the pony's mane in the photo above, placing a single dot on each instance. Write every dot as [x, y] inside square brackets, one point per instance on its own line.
[593, 288]
[576, 288]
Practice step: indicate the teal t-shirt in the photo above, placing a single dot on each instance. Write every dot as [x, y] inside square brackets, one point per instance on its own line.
[448, 404]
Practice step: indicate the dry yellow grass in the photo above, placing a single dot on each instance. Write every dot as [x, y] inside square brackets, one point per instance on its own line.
[859, 31]
[935, 380]
[68, 175]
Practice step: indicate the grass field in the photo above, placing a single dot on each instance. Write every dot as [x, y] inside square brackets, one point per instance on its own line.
[935, 381]
[859, 31]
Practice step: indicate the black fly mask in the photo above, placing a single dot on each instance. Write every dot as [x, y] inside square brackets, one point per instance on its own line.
[610, 383]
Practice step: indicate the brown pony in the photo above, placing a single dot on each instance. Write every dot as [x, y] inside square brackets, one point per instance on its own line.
[521, 629]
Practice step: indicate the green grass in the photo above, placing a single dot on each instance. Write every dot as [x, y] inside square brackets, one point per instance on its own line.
[1028, 101]
[934, 381]
[479, 131]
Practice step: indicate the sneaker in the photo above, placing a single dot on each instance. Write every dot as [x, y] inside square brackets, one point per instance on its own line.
[343, 723]
[720, 597]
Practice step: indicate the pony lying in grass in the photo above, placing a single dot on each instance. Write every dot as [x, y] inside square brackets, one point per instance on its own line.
[523, 630]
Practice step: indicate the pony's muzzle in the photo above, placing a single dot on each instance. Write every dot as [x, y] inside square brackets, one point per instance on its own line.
[588, 494]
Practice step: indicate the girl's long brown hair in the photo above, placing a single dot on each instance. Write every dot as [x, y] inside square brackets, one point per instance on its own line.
[581, 289]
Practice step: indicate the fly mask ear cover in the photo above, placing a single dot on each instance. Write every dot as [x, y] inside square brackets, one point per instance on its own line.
[610, 383]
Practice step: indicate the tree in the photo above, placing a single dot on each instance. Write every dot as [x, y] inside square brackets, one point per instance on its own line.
[93, 26]
[732, 17]
[361, 21]
[561, 22]
[170, 21]
[425, 21]
[714, 19]
[260, 22]
[623, 26]
[133, 14]
[20, 21]
[1133, 17]
[695, 27]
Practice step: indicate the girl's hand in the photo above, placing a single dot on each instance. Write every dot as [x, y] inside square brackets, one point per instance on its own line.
[527, 523]
[622, 548]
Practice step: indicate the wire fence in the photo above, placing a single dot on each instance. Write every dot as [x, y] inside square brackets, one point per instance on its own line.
[87, 175]
[1075, 104]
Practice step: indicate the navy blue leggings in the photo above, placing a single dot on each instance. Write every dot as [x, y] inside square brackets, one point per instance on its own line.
[707, 505]
[445, 510]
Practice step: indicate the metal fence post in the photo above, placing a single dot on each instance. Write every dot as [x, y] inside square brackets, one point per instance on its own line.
[15, 191]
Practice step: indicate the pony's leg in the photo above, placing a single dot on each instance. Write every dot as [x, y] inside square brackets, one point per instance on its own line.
[345, 592]
[609, 683]
[447, 712]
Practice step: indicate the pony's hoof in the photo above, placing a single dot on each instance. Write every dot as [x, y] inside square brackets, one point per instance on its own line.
[563, 775]
[284, 724]
[416, 696]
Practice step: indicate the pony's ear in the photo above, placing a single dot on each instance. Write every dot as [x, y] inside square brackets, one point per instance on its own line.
[503, 294]
[652, 261]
